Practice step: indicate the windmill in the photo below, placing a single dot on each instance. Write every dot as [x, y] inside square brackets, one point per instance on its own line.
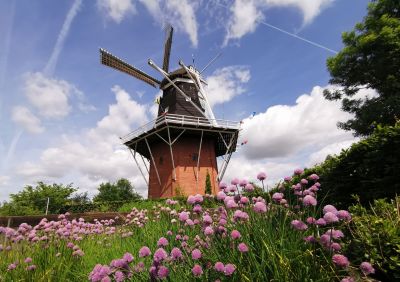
[177, 150]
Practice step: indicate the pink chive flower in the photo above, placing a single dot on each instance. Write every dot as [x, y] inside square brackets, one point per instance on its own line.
[335, 247]
[162, 272]
[183, 216]
[221, 196]
[196, 254]
[249, 187]
[198, 198]
[261, 176]
[287, 179]
[330, 217]
[304, 181]
[347, 279]
[320, 222]
[222, 185]
[31, 267]
[242, 247]
[310, 239]
[277, 197]
[344, 215]
[367, 268]
[207, 219]
[119, 276]
[176, 254]
[128, 257]
[162, 242]
[235, 234]
[244, 200]
[235, 181]
[12, 266]
[340, 260]
[28, 260]
[313, 177]
[336, 234]
[160, 255]
[229, 269]
[197, 270]
[208, 231]
[260, 207]
[299, 225]
[310, 220]
[298, 171]
[197, 208]
[231, 204]
[309, 201]
[219, 266]
[329, 208]
[243, 183]
[144, 252]
[191, 200]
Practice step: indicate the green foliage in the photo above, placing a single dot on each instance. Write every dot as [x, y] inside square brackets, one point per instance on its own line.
[33, 200]
[376, 237]
[370, 169]
[370, 59]
[208, 184]
[121, 191]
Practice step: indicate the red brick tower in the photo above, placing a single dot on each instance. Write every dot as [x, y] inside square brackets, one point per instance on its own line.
[181, 146]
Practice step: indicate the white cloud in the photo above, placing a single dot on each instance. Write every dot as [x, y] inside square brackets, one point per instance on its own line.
[182, 15]
[226, 83]
[309, 8]
[283, 130]
[247, 14]
[153, 6]
[116, 9]
[25, 118]
[48, 95]
[96, 154]
[331, 149]
[4, 179]
[121, 116]
[244, 19]
[51, 64]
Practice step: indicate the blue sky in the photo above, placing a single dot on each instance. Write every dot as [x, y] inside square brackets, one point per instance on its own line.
[61, 111]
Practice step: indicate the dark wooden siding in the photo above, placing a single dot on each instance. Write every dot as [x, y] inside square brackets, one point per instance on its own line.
[177, 104]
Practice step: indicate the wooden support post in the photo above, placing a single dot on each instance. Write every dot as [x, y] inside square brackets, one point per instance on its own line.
[154, 163]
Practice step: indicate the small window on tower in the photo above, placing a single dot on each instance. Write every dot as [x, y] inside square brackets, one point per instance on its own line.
[195, 156]
[166, 109]
[161, 160]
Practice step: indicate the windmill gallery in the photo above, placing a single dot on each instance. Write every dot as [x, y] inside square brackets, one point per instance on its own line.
[177, 150]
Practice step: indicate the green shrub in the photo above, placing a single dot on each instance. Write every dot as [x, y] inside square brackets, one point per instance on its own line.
[376, 237]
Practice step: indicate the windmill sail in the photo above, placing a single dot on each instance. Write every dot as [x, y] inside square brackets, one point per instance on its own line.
[112, 61]
[167, 47]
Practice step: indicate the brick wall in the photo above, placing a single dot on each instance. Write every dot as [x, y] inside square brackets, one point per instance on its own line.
[185, 153]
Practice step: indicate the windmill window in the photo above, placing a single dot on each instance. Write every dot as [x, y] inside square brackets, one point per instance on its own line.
[195, 156]
[161, 161]
[166, 109]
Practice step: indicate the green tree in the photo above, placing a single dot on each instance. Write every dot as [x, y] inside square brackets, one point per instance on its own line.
[208, 184]
[370, 59]
[122, 190]
[33, 200]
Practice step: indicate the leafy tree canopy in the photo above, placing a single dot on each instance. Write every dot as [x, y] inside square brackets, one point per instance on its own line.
[33, 200]
[370, 59]
[122, 190]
